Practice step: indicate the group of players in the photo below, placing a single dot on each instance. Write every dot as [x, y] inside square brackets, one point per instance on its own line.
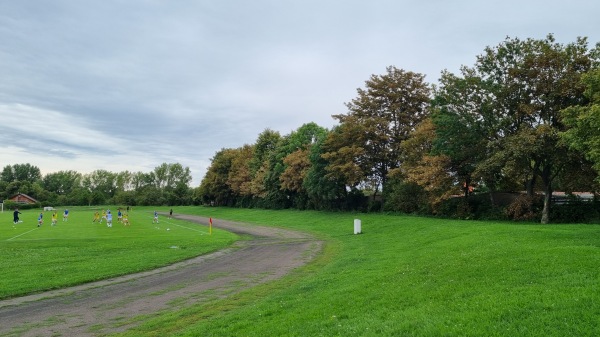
[40, 219]
[107, 215]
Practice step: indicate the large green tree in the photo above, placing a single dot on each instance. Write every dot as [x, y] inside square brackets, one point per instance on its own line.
[459, 107]
[324, 191]
[240, 177]
[101, 185]
[294, 161]
[368, 141]
[262, 163]
[214, 188]
[20, 172]
[61, 182]
[523, 85]
[584, 121]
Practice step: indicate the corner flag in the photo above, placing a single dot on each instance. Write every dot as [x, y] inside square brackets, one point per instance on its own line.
[210, 226]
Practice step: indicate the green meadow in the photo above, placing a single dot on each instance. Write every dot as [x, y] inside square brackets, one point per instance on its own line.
[404, 276]
[33, 259]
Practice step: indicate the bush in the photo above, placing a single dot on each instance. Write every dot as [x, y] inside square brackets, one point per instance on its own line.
[474, 207]
[408, 198]
[525, 207]
[576, 211]
[10, 205]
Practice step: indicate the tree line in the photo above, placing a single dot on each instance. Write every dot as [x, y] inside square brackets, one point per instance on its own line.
[523, 119]
[168, 184]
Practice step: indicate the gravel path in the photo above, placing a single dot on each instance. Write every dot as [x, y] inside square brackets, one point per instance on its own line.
[107, 306]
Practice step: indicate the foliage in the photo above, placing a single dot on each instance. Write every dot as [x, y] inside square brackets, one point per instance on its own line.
[576, 211]
[584, 121]
[214, 187]
[512, 97]
[168, 184]
[324, 192]
[20, 172]
[367, 145]
[525, 207]
[404, 196]
[11, 205]
[523, 117]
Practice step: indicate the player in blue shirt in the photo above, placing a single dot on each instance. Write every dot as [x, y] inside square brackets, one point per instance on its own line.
[108, 219]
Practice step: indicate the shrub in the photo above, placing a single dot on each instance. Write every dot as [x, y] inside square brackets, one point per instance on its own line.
[408, 198]
[525, 207]
[575, 211]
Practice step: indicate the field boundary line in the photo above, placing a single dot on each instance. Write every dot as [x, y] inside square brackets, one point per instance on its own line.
[174, 224]
[14, 237]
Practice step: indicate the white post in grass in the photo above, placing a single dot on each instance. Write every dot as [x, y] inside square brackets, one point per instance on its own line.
[357, 229]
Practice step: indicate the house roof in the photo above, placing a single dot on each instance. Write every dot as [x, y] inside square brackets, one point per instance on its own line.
[25, 196]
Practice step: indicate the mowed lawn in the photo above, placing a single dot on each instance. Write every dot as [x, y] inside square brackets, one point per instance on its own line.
[411, 276]
[404, 276]
[34, 259]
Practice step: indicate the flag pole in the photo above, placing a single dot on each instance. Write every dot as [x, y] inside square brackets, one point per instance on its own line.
[209, 226]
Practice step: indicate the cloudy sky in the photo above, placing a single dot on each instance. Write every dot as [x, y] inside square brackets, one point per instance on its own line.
[131, 84]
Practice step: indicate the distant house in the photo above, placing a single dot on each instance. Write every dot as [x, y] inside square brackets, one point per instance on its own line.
[22, 199]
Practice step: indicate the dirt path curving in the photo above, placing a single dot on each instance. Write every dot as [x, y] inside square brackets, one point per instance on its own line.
[107, 306]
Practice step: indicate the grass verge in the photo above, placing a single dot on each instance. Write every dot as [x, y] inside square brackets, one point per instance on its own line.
[410, 276]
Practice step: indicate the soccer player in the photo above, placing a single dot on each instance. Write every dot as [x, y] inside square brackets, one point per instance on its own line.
[96, 217]
[103, 216]
[126, 219]
[40, 219]
[66, 215]
[119, 216]
[155, 220]
[108, 219]
[170, 213]
[16, 216]
[54, 218]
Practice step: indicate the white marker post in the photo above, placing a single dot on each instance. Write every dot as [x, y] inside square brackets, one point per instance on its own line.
[357, 224]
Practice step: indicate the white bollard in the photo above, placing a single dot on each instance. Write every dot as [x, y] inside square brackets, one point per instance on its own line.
[357, 229]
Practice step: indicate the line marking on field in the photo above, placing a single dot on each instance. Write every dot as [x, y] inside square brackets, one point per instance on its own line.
[192, 229]
[174, 224]
[14, 237]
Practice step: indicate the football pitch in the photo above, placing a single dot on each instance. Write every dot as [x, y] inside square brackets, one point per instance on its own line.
[77, 250]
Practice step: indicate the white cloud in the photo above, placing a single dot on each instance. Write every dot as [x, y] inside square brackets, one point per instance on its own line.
[128, 85]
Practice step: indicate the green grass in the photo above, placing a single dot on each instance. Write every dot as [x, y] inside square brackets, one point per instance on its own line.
[405, 276]
[34, 259]
[410, 276]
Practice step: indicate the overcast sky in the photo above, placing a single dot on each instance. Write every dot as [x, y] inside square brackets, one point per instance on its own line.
[131, 84]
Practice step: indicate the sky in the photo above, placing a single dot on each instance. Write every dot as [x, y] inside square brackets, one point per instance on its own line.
[127, 85]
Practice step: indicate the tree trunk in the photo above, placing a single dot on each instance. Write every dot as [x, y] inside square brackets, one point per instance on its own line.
[492, 199]
[547, 179]
[547, 201]
[530, 184]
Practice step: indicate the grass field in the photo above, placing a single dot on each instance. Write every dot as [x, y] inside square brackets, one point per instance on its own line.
[410, 276]
[404, 276]
[34, 259]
